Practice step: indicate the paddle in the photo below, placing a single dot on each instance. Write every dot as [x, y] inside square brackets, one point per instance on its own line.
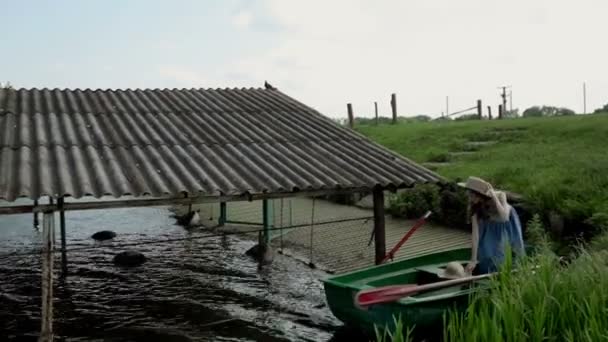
[418, 224]
[391, 293]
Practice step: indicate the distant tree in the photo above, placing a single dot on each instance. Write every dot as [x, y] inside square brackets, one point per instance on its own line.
[512, 113]
[537, 111]
[533, 112]
[602, 110]
[6, 85]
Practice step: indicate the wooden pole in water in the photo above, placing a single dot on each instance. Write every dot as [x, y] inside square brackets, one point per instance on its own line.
[394, 107]
[349, 108]
[64, 256]
[379, 229]
[48, 235]
[376, 110]
[223, 214]
[266, 220]
[36, 216]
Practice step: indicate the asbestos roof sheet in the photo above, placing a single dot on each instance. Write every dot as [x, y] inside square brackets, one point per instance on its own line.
[198, 141]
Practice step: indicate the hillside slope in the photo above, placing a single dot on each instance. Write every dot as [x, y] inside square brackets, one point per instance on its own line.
[558, 163]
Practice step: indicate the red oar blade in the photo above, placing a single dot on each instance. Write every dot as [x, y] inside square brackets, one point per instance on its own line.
[383, 294]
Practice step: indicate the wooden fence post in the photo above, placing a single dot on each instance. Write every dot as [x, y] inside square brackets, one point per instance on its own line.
[479, 113]
[394, 107]
[48, 235]
[489, 112]
[376, 110]
[500, 111]
[349, 107]
[379, 228]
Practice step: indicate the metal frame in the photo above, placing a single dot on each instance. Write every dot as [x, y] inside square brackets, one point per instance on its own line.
[138, 202]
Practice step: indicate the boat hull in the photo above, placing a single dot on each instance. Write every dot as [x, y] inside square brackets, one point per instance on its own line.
[424, 311]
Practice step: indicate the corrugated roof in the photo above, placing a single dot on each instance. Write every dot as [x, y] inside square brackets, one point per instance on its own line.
[166, 142]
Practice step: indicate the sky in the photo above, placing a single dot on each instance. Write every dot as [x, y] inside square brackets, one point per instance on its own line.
[325, 53]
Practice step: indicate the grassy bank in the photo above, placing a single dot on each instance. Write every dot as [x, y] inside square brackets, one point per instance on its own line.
[559, 164]
[544, 300]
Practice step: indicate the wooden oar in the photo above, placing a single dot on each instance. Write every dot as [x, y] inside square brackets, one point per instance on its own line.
[387, 294]
[418, 224]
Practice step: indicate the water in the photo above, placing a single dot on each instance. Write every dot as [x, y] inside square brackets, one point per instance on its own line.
[181, 293]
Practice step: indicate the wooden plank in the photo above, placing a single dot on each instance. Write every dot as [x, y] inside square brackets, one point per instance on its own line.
[48, 235]
[379, 226]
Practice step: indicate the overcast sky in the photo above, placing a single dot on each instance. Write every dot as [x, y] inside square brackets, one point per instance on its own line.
[323, 53]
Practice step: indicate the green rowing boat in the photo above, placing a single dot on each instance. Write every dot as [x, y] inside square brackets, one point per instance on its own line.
[423, 310]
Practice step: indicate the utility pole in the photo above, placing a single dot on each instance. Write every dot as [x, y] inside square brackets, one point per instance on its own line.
[584, 98]
[504, 101]
[447, 105]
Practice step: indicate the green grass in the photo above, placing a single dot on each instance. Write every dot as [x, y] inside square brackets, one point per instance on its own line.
[543, 300]
[558, 163]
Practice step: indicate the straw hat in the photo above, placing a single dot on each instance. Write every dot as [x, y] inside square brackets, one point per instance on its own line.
[453, 270]
[478, 185]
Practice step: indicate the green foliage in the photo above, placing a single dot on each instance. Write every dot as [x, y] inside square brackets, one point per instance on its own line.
[536, 234]
[396, 334]
[449, 205]
[542, 300]
[537, 111]
[602, 109]
[415, 202]
[558, 163]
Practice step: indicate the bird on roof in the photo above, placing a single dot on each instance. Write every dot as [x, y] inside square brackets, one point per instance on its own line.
[269, 86]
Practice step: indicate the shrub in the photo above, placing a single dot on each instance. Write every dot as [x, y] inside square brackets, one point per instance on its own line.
[448, 204]
[415, 202]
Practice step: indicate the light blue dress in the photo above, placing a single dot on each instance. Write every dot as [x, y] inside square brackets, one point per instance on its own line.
[493, 237]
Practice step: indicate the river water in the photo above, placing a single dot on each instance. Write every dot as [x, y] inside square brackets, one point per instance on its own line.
[192, 290]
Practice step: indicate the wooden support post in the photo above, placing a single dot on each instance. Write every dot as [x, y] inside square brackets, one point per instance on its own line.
[266, 218]
[351, 118]
[48, 235]
[479, 113]
[376, 110]
[36, 223]
[394, 107]
[64, 256]
[379, 229]
[500, 111]
[489, 112]
[223, 214]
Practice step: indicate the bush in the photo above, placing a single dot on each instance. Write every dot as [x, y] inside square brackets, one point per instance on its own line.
[415, 202]
[448, 204]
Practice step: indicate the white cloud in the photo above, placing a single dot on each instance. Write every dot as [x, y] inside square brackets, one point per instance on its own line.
[242, 20]
[333, 52]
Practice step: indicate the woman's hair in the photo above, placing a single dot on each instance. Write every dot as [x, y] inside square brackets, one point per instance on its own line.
[483, 209]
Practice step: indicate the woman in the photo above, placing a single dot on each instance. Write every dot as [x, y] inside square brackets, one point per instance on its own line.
[494, 224]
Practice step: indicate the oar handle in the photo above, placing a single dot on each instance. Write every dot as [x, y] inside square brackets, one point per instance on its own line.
[393, 293]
